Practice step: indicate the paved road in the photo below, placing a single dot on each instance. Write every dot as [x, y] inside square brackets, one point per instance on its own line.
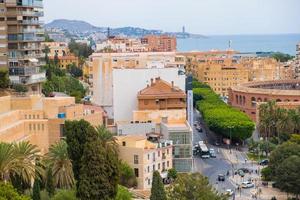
[225, 161]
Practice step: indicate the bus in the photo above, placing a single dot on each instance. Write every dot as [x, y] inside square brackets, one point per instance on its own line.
[204, 151]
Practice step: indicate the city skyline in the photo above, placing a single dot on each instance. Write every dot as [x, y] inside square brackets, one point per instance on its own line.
[215, 17]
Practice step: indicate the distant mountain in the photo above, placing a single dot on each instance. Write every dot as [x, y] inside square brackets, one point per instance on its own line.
[72, 26]
[76, 27]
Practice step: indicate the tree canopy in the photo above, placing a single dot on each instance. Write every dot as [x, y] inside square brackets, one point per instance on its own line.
[192, 186]
[282, 57]
[4, 78]
[157, 189]
[221, 118]
[8, 192]
[80, 50]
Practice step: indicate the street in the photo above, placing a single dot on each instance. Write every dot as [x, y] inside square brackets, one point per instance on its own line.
[226, 161]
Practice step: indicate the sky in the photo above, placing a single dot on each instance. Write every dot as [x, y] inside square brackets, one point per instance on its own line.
[208, 17]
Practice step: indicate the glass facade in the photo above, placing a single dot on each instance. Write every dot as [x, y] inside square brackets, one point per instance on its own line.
[183, 165]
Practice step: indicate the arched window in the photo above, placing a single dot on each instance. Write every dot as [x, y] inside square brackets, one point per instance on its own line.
[244, 100]
[237, 99]
[259, 100]
[241, 101]
[253, 101]
[265, 100]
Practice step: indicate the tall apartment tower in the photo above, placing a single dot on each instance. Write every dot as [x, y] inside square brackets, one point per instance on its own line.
[21, 34]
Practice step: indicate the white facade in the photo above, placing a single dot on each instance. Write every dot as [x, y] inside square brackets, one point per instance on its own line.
[128, 82]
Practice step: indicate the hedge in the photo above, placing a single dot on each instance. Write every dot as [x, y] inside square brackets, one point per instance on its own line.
[220, 117]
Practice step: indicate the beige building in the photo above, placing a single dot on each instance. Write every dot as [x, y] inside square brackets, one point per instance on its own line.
[21, 34]
[40, 120]
[146, 154]
[221, 70]
[59, 48]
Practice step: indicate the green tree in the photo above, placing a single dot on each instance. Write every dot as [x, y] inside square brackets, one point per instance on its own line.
[157, 189]
[172, 173]
[77, 133]
[94, 182]
[74, 70]
[288, 175]
[61, 166]
[127, 176]
[36, 190]
[266, 174]
[281, 57]
[20, 88]
[4, 78]
[192, 186]
[18, 160]
[80, 50]
[48, 39]
[56, 60]
[50, 188]
[123, 194]
[7, 192]
[65, 195]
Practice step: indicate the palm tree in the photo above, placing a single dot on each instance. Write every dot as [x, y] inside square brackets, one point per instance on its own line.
[19, 160]
[107, 138]
[60, 165]
[7, 160]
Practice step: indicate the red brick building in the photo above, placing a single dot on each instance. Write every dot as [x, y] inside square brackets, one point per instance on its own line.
[246, 96]
[160, 43]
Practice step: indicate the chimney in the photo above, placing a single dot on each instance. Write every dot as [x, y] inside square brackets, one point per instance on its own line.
[157, 79]
[172, 84]
[152, 82]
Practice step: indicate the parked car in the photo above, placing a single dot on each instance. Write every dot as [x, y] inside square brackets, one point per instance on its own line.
[247, 184]
[264, 162]
[241, 173]
[245, 170]
[229, 192]
[221, 177]
[212, 153]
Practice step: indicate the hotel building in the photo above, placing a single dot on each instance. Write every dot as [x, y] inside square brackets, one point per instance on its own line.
[21, 34]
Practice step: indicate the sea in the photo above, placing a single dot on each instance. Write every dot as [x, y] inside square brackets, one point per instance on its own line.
[285, 43]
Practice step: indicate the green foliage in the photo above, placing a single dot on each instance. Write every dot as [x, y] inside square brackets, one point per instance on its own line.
[65, 195]
[127, 176]
[61, 166]
[94, 182]
[76, 133]
[50, 188]
[36, 190]
[74, 70]
[221, 118]
[279, 122]
[67, 84]
[4, 78]
[20, 88]
[266, 174]
[281, 57]
[288, 175]
[80, 50]
[123, 194]
[172, 173]
[48, 39]
[192, 186]
[44, 195]
[157, 190]
[7, 192]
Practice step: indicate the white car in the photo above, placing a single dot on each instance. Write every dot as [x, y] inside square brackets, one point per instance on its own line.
[229, 192]
[247, 184]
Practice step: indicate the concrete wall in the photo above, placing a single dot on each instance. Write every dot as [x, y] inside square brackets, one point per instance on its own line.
[128, 82]
[174, 116]
[136, 128]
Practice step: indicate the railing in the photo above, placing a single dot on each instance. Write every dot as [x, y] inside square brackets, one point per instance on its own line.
[25, 57]
[33, 22]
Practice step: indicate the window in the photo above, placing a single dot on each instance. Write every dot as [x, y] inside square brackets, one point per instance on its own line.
[158, 154]
[136, 159]
[168, 163]
[153, 167]
[148, 169]
[146, 102]
[42, 127]
[30, 127]
[25, 116]
[149, 181]
[163, 166]
[136, 172]
[158, 166]
[153, 157]
[123, 144]
[148, 156]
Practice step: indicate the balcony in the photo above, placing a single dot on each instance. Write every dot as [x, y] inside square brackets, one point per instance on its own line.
[24, 70]
[32, 79]
[37, 31]
[32, 22]
[31, 13]
[26, 56]
[25, 39]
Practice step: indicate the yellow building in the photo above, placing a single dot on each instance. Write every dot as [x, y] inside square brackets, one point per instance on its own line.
[146, 155]
[40, 120]
[64, 61]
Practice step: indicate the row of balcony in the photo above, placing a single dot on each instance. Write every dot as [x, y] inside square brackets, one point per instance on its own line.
[26, 56]
[26, 39]
[24, 70]
[35, 78]
[25, 13]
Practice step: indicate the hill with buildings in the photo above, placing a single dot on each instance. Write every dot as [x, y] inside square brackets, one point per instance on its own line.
[81, 27]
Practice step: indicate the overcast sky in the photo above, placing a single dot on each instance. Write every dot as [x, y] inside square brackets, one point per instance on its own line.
[198, 16]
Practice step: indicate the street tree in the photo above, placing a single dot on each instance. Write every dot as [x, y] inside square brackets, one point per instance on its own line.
[192, 186]
[157, 189]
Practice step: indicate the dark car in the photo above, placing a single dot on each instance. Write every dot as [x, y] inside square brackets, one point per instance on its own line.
[264, 162]
[221, 177]
[245, 170]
